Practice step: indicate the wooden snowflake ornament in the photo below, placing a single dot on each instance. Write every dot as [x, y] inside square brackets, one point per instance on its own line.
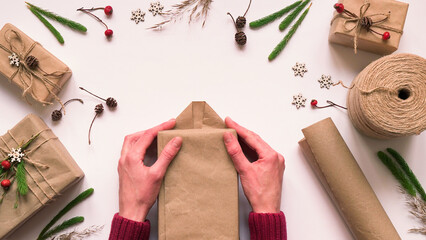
[299, 69]
[138, 16]
[16, 155]
[156, 8]
[299, 100]
[325, 81]
[14, 60]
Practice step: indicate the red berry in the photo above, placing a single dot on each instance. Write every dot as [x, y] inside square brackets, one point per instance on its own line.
[5, 183]
[339, 7]
[386, 36]
[108, 10]
[108, 32]
[314, 102]
[5, 165]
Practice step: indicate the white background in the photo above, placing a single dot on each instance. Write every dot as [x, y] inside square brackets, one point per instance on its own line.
[155, 75]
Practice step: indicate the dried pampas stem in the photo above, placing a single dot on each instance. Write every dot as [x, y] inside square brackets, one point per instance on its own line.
[417, 209]
[197, 9]
[79, 234]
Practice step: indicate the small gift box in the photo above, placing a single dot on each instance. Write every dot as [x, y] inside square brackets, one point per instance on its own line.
[372, 25]
[199, 195]
[38, 169]
[31, 67]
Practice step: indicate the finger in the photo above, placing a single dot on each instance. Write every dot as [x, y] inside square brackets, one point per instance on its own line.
[167, 155]
[235, 152]
[128, 142]
[148, 137]
[251, 138]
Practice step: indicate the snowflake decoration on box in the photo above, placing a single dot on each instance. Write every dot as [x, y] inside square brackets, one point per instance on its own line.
[299, 69]
[325, 81]
[14, 60]
[156, 8]
[138, 16]
[299, 100]
[16, 155]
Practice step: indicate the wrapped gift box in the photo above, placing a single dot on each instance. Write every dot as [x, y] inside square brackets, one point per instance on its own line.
[58, 173]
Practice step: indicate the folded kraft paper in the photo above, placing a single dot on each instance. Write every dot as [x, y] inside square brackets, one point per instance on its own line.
[199, 195]
[345, 183]
[50, 170]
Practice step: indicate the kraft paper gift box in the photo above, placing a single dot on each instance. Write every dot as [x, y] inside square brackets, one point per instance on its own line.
[367, 40]
[50, 170]
[43, 82]
[199, 195]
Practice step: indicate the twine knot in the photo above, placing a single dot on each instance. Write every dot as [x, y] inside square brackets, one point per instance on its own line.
[366, 22]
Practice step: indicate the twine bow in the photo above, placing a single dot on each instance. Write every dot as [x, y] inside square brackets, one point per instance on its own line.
[364, 21]
[20, 50]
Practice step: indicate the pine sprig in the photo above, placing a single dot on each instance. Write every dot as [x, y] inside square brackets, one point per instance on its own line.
[66, 209]
[287, 37]
[67, 22]
[270, 18]
[397, 173]
[48, 25]
[403, 164]
[287, 21]
[66, 224]
[21, 179]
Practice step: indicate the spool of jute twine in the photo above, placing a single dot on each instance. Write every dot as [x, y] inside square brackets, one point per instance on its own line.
[388, 98]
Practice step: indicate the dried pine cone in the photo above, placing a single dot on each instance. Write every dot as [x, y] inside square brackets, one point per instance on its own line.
[32, 62]
[56, 115]
[111, 102]
[99, 108]
[241, 22]
[241, 38]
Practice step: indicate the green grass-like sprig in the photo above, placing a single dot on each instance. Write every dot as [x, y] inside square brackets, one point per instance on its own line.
[65, 21]
[287, 21]
[21, 179]
[287, 37]
[272, 17]
[397, 173]
[48, 25]
[66, 224]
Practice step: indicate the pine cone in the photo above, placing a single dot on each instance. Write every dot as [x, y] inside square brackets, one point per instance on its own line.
[99, 108]
[56, 115]
[111, 102]
[241, 22]
[32, 62]
[240, 38]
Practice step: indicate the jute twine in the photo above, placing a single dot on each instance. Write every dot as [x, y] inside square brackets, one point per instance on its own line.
[388, 98]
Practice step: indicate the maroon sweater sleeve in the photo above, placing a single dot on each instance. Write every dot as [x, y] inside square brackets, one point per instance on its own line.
[267, 226]
[125, 229]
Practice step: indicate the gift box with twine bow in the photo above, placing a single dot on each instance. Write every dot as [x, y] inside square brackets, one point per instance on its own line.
[362, 23]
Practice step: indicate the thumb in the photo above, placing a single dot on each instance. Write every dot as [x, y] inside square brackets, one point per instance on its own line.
[168, 154]
[235, 152]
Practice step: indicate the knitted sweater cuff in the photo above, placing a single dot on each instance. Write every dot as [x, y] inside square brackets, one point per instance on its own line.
[267, 226]
[125, 229]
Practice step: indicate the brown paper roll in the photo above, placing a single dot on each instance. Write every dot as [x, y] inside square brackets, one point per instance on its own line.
[345, 183]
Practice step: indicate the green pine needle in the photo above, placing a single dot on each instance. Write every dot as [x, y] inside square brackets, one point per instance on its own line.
[27, 144]
[265, 20]
[287, 21]
[67, 208]
[48, 25]
[67, 22]
[21, 179]
[403, 164]
[66, 224]
[397, 173]
[290, 33]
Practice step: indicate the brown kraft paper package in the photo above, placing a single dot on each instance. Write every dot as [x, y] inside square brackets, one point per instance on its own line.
[45, 184]
[345, 183]
[199, 195]
[369, 41]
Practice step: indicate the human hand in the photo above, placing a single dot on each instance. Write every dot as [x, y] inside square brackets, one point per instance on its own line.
[139, 184]
[261, 179]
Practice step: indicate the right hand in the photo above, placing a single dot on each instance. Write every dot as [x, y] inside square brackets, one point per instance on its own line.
[261, 179]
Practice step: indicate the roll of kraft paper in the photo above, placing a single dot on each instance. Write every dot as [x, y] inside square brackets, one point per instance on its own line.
[342, 178]
[388, 98]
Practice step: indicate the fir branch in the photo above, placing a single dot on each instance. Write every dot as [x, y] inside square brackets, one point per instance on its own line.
[272, 17]
[21, 179]
[67, 22]
[79, 234]
[48, 25]
[397, 173]
[403, 164]
[290, 33]
[67, 208]
[287, 21]
[66, 224]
